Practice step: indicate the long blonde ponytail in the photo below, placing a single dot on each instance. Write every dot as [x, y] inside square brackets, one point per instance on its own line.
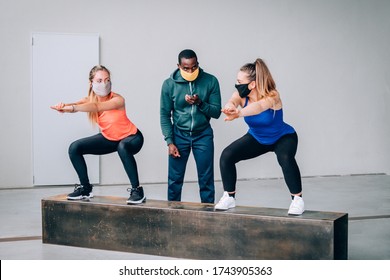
[259, 72]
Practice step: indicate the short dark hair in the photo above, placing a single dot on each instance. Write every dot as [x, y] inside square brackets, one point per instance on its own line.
[187, 53]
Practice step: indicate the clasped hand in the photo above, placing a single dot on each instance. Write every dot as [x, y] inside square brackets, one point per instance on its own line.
[62, 108]
[231, 113]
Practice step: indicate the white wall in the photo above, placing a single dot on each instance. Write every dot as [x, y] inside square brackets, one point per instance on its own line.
[330, 60]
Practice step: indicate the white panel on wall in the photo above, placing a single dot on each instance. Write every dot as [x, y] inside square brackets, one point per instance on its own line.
[60, 68]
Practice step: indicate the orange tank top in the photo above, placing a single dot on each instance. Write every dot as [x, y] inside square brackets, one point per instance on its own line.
[115, 125]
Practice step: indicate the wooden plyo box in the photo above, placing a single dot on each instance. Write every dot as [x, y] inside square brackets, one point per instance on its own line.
[194, 230]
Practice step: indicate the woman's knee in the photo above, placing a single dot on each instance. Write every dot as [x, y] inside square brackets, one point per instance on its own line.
[122, 148]
[74, 148]
[227, 156]
[283, 159]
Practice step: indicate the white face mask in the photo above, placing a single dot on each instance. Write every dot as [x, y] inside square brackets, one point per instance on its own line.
[102, 89]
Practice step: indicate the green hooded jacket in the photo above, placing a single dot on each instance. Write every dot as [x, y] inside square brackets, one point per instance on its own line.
[175, 111]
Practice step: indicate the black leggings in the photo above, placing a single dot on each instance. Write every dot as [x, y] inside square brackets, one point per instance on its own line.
[99, 145]
[248, 147]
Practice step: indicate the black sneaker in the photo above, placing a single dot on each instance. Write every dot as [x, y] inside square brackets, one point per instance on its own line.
[81, 192]
[136, 195]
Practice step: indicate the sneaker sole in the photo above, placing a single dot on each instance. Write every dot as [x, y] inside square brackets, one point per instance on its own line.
[80, 197]
[295, 213]
[136, 201]
[74, 197]
[223, 209]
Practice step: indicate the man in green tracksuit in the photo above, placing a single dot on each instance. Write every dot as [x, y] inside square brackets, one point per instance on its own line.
[190, 97]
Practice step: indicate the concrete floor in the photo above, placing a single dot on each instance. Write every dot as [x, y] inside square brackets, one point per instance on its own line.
[366, 198]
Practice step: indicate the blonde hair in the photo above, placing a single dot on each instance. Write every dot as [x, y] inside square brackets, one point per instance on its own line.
[259, 72]
[93, 116]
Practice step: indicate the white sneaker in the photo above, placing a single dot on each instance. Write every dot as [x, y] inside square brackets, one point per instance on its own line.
[226, 202]
[297, 206]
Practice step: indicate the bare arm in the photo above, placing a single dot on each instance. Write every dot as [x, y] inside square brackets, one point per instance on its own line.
[231, 107]
[257, 107]
[254, 108]
[81, 101]
[61, 105]
[233, 102]
[117, 102]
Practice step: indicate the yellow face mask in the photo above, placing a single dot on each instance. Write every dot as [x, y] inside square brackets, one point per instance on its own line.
[189, 76]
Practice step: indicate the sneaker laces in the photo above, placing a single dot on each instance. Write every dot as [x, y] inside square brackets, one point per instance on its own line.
[294, 205]
[131, 190]
[82, 188]
[77, 187]
[224, 199]
[224, 196]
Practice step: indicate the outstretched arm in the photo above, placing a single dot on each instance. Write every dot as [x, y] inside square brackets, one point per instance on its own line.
[256, 108]
[117, 102]
[251, 109]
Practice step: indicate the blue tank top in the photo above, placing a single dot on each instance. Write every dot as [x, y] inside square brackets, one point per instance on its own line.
[268, 126]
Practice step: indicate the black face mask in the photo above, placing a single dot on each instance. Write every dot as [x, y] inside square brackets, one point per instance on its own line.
[243, 90]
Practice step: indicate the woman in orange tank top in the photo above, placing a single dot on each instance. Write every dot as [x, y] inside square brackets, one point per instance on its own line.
[117, 134]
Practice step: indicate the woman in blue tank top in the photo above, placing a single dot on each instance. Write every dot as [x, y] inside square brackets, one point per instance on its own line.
[261, 108]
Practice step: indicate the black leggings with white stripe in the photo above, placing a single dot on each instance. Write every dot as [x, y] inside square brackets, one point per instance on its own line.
[248, 147]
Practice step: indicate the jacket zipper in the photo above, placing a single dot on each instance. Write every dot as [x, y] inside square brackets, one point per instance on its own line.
[192, 109]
